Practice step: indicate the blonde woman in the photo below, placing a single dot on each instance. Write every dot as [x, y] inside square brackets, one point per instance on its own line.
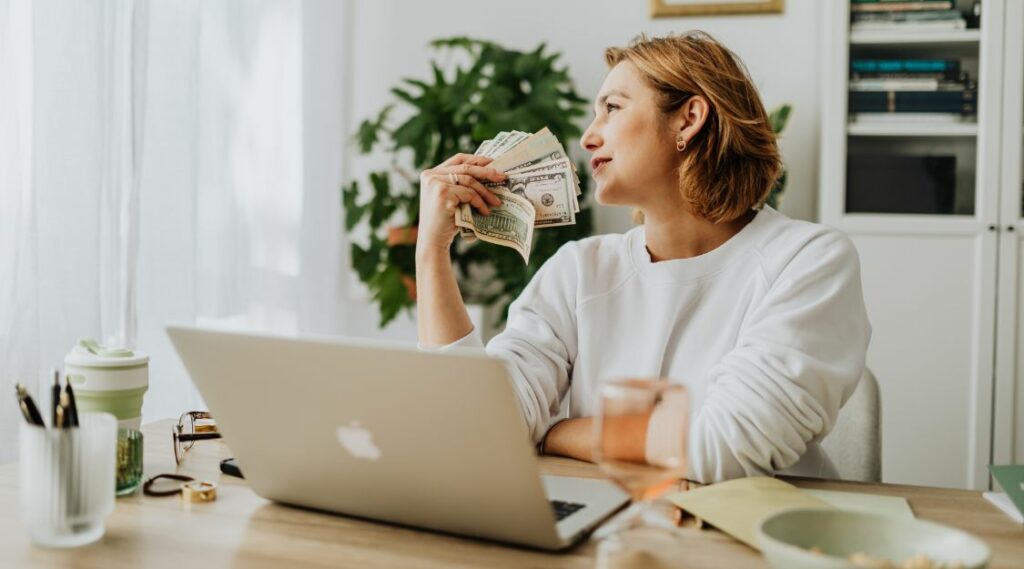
[760, 316]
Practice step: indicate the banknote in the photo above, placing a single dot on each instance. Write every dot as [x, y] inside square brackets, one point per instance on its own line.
[509, 224]
[559, 165]
[541, 179]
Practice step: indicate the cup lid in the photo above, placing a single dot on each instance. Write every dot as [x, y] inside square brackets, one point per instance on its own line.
[90, 354]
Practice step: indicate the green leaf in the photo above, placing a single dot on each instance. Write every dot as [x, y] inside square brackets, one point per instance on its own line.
[353, 211]
[370, 130]
[390, 292]
[780, 117]
[365, 261]
[382, 206]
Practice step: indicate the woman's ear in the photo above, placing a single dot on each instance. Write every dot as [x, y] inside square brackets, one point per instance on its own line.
[690, 117]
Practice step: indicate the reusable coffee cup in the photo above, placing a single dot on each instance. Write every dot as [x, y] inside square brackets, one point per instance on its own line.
[108, 381]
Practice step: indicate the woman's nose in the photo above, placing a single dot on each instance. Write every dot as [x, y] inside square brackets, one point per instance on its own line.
[590, 141]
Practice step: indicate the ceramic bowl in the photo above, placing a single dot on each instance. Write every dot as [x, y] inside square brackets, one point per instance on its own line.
[787, 538]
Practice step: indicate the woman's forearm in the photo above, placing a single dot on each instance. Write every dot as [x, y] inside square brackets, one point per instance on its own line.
[572, 438]
[576, 438]
[441, 316]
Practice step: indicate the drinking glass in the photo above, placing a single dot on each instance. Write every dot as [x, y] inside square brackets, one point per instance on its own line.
[67, 480]
[641, 443]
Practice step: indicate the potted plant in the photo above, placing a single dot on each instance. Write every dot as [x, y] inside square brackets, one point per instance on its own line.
[489, 89]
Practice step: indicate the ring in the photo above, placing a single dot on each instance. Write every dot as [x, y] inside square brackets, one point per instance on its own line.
[454, 178]
[199, 491]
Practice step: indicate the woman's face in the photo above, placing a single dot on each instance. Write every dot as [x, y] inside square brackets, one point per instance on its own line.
[634, 156]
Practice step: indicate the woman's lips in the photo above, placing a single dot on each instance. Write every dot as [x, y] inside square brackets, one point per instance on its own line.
[597, 163]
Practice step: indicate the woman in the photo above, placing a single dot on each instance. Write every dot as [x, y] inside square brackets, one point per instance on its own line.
[760, 316]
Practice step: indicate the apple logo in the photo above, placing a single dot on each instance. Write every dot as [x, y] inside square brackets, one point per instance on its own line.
[358, 441]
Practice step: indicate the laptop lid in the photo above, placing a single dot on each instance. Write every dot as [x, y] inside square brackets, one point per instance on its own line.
[375, 430]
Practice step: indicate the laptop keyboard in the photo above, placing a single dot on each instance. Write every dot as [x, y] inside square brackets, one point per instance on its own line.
[565, 509]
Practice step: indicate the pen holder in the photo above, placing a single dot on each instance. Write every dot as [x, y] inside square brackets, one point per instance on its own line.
[67, 480]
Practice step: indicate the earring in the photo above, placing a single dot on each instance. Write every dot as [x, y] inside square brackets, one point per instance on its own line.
[680, 142]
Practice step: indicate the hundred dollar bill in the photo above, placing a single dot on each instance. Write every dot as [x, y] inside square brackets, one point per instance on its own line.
[551, 192]
[563, 165]
[510, 224]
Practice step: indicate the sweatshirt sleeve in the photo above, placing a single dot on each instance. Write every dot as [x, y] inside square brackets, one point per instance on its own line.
[539, 343]
[798, 358]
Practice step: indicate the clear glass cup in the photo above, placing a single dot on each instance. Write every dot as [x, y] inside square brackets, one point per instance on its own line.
[67, 480]
[129, 461]
[655, 413]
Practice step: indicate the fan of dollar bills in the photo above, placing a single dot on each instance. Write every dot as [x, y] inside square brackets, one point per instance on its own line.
[541, 191]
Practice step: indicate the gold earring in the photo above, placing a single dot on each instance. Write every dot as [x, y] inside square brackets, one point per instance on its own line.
[680, 142]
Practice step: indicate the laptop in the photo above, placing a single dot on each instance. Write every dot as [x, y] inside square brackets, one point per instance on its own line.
[389, 433]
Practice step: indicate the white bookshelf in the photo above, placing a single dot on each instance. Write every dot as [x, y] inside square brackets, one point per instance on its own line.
[930, 281]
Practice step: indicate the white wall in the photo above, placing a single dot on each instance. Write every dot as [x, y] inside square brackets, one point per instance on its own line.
[781, 50]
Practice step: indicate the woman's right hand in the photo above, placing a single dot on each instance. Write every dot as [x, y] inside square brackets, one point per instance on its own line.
[444, 188]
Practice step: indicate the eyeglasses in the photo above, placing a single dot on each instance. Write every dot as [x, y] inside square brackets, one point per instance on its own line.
[192, 426]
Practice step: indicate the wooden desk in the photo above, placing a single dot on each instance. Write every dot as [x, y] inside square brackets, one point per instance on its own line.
[241, 529]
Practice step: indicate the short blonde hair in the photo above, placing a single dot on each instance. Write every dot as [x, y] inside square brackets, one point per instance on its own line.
[732, 164]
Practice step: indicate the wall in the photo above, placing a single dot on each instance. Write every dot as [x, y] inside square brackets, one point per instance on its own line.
[781, 50]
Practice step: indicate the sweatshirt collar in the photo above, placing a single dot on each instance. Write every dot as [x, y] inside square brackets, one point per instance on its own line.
[701, 265]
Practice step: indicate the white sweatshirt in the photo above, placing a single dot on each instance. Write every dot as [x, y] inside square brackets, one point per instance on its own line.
[768, 332]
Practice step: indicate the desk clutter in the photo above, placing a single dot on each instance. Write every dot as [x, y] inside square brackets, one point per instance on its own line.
[827, 529]
[84, 446]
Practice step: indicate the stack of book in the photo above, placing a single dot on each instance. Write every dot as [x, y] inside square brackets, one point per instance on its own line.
[905, 15]
[917, 89]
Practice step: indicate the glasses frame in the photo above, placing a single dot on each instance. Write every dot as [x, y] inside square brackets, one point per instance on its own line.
[183, 441]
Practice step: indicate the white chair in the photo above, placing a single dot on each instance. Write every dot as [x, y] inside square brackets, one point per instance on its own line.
[855, 443]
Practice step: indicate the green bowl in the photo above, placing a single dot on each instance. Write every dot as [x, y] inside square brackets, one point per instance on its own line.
[786, 539]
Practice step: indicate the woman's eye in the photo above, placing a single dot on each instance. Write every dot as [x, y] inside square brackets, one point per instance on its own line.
[609, 107]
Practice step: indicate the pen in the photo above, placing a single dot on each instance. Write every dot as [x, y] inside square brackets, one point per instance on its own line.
[28, 407]
[65, 410]
[56, 395]
[72, 405]
[58, 417]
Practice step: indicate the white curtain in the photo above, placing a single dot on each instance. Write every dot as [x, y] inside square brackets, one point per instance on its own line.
[217, 158]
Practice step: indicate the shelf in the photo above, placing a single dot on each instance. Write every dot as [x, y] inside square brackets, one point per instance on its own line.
[896, 37]
[910, 129]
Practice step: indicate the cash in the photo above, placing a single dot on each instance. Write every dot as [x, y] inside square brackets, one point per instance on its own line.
[542, 190]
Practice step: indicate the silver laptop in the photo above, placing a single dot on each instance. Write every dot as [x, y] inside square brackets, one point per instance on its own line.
[389, 433]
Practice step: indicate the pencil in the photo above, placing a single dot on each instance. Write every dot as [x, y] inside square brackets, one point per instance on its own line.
[55, 391]
[72, 405]
[29, 407]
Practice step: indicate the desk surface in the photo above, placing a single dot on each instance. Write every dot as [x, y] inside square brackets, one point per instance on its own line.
[241, 529]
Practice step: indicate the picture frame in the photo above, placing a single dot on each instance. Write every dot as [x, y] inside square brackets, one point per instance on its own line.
[676, 8]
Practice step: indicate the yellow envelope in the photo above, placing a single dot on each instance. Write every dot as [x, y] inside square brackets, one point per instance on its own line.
[737, 506]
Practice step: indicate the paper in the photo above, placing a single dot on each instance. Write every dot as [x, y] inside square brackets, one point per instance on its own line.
[737, 506]
[1011, 479]
[870, 503]
[1002, 501]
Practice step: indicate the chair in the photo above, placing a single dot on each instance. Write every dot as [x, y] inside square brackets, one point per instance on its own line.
[855, 443]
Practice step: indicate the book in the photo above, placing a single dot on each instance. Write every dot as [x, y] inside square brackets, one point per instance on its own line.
[1011, 479]
[921, 5]
[909, 118]
[935, 26]
[905, 84]
[964, 101]
[927, 16]
[1002, 501]
[905, 66]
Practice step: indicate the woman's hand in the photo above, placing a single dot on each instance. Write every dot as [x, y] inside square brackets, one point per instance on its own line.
[444, 188]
